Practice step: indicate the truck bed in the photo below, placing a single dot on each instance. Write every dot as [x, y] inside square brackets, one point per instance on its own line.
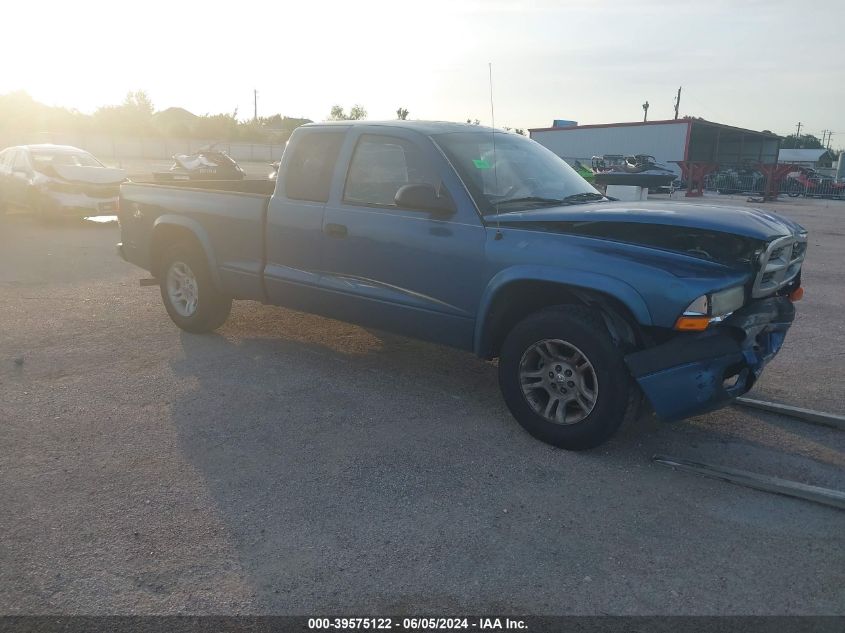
[262, 187]
[226, 216]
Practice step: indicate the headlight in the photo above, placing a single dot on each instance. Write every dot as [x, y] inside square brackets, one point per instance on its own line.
[699, 307]
[710, 308]
[724, 302]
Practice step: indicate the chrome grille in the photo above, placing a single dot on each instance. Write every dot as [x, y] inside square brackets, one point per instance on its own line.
[779, 264]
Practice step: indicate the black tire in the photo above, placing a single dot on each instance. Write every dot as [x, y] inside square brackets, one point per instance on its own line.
[211, 306]
[585, 330]
[795, 190]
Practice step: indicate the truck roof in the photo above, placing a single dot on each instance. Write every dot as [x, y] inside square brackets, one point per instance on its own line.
[425, 127]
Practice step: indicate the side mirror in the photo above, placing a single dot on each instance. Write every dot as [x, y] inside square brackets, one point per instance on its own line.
[424, 197]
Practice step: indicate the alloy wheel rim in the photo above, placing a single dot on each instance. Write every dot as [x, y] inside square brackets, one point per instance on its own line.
[182, 289]
[558, 381]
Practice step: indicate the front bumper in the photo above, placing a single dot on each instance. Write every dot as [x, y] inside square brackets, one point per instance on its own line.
[66, 204]
[695, 373]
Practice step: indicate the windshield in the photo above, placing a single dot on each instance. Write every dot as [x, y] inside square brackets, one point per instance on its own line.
[521, 174]
[44, 159]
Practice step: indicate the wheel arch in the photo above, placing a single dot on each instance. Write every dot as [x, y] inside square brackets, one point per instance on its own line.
[513, 294]
[168, 229]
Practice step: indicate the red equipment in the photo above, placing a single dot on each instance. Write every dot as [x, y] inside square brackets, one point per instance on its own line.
[809, 182]
[774, 174]
[694, 171]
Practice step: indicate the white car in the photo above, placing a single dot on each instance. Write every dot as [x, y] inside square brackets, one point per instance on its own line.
[57, 181]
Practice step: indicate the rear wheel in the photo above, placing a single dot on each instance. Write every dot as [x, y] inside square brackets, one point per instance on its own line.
[563, 379]
[190, 296]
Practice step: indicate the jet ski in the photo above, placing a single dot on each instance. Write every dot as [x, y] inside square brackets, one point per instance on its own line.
[207, 163]
[273, 175]
[585, 172]
[640, 170]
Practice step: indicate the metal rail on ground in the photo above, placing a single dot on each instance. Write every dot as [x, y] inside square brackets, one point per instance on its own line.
[832, 420]
[825, 496]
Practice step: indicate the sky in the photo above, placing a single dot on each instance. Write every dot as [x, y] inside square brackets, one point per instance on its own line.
[761, 64]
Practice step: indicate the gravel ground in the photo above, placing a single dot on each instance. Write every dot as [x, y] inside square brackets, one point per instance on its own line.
[295, 465]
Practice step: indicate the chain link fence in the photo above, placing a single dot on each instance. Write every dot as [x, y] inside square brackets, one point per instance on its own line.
[800, 183]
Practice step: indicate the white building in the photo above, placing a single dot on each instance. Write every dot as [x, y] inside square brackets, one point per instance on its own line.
[668, 141]
[812, 158]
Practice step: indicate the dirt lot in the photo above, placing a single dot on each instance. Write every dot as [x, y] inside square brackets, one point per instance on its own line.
[291, 464]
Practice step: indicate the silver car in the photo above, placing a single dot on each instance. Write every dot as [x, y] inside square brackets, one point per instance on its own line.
[57, 181]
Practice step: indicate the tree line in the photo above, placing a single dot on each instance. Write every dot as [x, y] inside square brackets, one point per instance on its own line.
[23, 116]
[805, 141]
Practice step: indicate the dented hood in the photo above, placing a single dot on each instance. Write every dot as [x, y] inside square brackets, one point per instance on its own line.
[745, 221]
[93, 175]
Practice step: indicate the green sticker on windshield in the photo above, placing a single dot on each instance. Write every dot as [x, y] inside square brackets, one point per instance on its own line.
[480, 163]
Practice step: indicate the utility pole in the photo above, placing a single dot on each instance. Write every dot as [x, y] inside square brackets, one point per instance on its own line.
[255, 104]
[827, 133]
[798, 136]
[645, 112]
[678, 102]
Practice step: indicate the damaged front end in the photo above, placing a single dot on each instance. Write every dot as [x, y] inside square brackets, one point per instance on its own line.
[696, 373]
[76, 190]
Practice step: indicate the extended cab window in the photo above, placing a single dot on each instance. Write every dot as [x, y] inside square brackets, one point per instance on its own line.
[310, 166]
[382, 164]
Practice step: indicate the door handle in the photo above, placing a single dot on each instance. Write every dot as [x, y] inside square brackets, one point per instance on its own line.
[335, 230]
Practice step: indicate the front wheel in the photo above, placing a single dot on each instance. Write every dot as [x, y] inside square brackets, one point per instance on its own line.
[190, 296]
[563, 379]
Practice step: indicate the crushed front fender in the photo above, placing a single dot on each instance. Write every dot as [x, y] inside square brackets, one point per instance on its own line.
[695, 373]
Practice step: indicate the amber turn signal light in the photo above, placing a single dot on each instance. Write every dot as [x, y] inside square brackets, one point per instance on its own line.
[692, 323]
[797, 294]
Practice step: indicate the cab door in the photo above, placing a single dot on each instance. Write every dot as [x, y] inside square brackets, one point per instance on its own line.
[406, 270]
[294, 228]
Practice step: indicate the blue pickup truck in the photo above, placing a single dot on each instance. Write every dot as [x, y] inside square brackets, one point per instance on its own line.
[486, 241]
